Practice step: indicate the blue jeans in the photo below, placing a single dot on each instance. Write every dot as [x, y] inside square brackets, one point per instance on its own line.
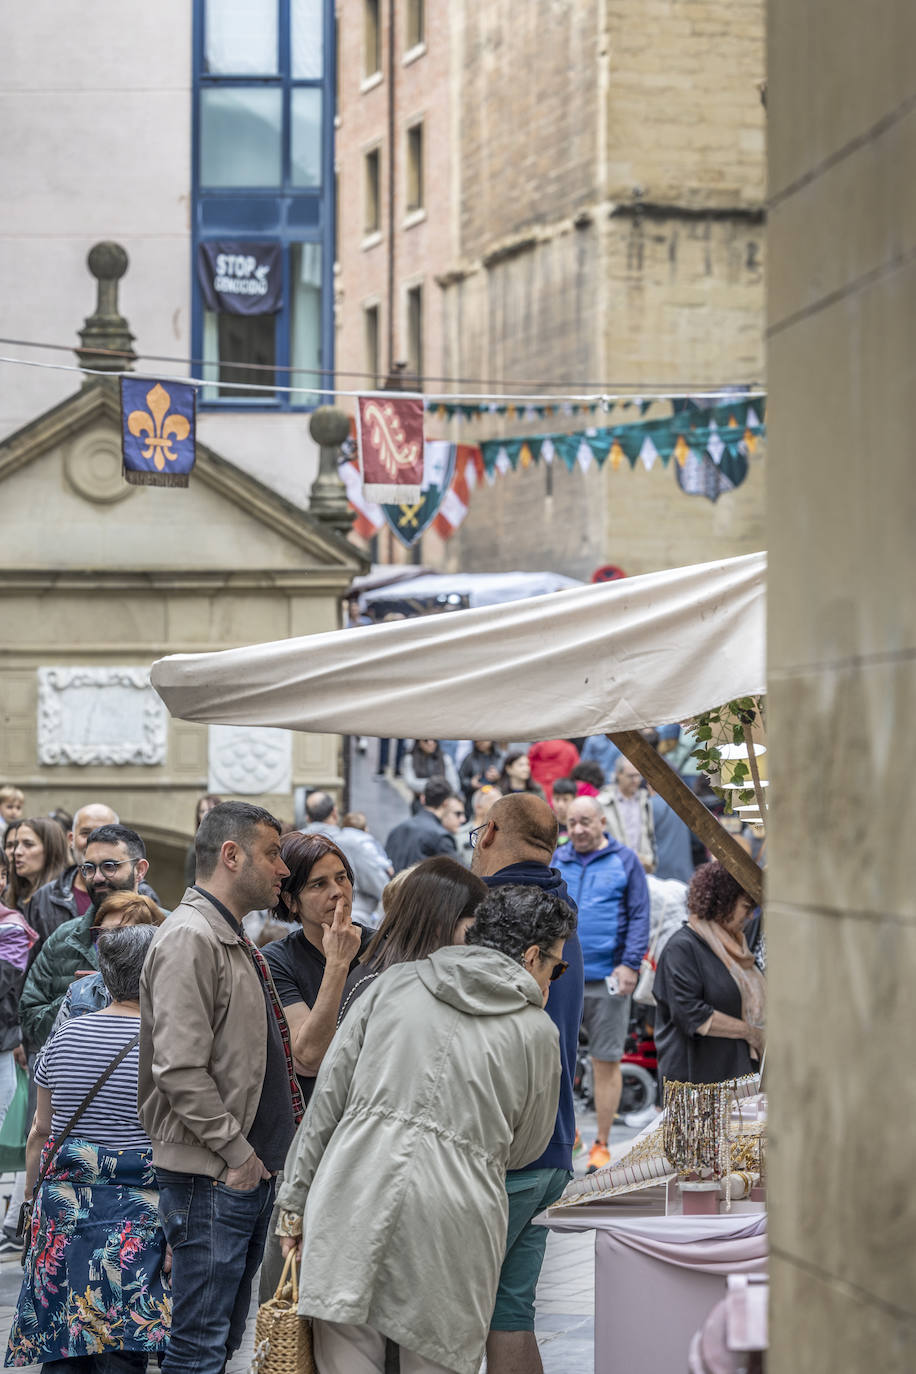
[217, 1236]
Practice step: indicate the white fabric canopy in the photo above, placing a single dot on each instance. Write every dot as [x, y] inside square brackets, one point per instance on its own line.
[614, 656]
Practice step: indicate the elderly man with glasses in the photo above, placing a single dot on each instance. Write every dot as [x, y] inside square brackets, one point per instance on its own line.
[115, 861]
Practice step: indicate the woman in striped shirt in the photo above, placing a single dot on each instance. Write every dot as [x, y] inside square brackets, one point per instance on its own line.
[93, 1296]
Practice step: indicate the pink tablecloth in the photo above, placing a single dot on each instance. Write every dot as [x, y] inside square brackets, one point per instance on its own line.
[658, 1278]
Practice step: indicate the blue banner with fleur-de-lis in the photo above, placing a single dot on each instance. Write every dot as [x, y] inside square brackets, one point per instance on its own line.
[158, 431]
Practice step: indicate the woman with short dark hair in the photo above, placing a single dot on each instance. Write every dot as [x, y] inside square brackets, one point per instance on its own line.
[93, 1296]
[310, 965]
[445, 1074]
[710, 997]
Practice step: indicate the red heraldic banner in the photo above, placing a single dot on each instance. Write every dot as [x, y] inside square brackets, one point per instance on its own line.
[389, 436]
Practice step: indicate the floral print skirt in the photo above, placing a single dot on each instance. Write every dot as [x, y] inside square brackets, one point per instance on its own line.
[93, 1278]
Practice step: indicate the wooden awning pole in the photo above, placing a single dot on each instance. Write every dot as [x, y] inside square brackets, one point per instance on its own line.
[672, 788]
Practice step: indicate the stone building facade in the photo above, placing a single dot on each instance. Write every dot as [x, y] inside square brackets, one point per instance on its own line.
[98, 579]
[842, 679]
[596, 220]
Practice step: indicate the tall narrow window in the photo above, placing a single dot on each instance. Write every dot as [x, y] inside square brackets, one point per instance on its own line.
[415, 167]
[263, 211]
[373, 332]
[373, 221]
[416, 23]
[415, 331]
[372, 38]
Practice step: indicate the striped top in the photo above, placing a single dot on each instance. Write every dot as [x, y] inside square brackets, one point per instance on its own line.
[72, 1061]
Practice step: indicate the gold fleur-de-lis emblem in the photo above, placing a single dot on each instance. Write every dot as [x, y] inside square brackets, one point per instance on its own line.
[159, 426]
[388, 437]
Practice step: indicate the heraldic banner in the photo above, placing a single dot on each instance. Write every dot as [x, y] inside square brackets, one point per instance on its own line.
[158, 431]
[389, 438]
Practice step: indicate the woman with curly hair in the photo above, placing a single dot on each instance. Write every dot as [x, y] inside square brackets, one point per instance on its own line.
[444, 1074]
[711, 998]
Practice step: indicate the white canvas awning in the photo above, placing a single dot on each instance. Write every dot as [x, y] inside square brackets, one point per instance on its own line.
[614, 656]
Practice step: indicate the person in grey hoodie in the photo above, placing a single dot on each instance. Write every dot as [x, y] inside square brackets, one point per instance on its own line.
[445, 1074]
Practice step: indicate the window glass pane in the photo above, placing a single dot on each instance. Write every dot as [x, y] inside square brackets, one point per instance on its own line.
[241, 37]
[240, 136]
[241, 339]
[372, 38]
[305, 319]
[306, 39]
[416, 23]
[305, 136]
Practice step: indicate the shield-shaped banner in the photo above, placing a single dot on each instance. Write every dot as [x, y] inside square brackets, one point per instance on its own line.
[158, 431]
[408, 520]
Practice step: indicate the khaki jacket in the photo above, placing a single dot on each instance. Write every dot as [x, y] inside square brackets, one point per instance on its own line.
[203, 1042]
[444, 1074]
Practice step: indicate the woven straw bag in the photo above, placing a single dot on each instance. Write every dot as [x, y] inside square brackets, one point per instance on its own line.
[283, 1339]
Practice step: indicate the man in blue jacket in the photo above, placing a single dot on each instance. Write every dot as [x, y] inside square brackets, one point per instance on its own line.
[608, 884]
[514, 847]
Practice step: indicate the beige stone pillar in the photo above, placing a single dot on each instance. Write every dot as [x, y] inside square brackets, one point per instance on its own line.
[842, 690]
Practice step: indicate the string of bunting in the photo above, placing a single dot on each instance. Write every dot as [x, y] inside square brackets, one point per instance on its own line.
[728, 434]
[710, 446]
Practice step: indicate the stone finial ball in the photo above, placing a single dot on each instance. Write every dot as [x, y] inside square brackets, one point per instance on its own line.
[329, 426]
[107, 261]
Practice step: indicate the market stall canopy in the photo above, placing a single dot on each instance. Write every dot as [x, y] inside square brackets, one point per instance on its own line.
[605, 657]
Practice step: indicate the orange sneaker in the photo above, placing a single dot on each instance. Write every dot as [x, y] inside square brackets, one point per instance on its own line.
[598, 1156]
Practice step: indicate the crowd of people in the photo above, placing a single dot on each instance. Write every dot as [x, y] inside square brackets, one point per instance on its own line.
[362, 1051]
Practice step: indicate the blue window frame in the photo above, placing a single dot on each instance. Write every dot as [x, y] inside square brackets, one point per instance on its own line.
[263, 171]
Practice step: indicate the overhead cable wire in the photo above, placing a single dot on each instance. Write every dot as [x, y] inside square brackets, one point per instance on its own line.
[604, 399]
[624, 389]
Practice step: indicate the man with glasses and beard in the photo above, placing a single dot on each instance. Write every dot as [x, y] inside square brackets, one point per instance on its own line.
[70, 895]
[115, 861]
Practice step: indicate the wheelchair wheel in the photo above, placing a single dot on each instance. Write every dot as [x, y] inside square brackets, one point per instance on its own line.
[639, 1089]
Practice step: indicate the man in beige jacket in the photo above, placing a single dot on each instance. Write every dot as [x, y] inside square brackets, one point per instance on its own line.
[217, 1089]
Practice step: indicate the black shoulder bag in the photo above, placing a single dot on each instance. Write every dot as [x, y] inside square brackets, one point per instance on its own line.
[24, 1226]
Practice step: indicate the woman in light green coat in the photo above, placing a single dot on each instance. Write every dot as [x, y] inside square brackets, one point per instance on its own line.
[445, 1074]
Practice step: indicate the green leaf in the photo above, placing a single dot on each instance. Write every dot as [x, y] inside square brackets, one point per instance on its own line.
[704, 732]
[737, 734]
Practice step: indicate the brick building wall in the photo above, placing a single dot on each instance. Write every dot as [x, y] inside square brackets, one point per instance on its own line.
[419, 78]
[605, 227]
